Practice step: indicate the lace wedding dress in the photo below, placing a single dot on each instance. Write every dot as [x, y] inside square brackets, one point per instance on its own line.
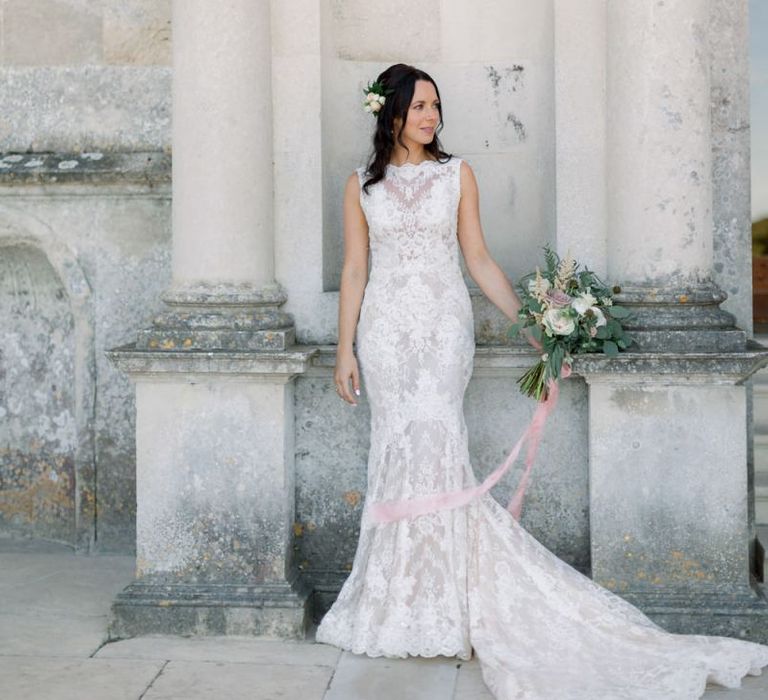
[451, 581]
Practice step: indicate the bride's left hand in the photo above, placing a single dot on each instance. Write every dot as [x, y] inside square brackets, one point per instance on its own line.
[536, 344]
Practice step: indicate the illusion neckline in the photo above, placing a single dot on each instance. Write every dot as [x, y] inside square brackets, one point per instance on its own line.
[412, 165]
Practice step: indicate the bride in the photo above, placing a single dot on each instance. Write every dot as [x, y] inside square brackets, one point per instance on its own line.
[461, 579]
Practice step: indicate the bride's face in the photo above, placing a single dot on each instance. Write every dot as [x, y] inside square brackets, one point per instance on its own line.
[423, 115]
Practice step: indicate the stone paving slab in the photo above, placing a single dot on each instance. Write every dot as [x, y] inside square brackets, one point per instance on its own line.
[53, 616]
[470, 684]
[40, 678]
[212, 680]
[79, 594]
[752, 688]
[226, 649]
[30, 634]
[363, 678]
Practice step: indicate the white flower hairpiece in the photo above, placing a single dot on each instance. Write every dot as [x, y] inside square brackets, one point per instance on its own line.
[375, 96]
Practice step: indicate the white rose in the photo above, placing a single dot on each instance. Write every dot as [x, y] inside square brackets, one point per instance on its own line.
[558, 321]
[371, 96]
[582, 302]
[544, 284]
[599, 315]
[375, 106]
[381, 99]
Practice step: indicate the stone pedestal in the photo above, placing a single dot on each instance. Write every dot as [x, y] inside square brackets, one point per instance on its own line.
[668, 488]
[215, 495]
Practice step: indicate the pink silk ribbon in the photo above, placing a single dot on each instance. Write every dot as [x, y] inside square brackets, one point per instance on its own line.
[389, 511]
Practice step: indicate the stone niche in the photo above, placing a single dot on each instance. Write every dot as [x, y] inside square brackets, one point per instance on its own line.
[38, 425]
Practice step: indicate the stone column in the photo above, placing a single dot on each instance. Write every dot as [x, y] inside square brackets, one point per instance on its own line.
[659, 159]
[223, 294]
[213, 373]
[668, 460]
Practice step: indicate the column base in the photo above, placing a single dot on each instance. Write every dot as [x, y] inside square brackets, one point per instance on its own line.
[265, 610]
[220, 317]
[680, 319]
[181, 338]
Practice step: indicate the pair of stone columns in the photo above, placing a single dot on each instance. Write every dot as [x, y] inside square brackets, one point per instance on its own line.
[668, 465]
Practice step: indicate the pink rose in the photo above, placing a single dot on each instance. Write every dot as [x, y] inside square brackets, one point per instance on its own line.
[558, 298]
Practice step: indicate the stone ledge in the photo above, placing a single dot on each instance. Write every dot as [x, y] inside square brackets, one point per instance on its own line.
[635, 367]
[169, 363]
[707, 367]
[150, 168]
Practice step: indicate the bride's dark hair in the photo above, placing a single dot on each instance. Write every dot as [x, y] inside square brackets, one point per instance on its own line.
[400, 78]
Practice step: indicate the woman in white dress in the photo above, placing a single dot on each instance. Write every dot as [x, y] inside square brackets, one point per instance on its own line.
[467, 578]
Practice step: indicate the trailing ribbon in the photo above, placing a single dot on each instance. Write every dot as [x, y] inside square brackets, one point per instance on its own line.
[389, 511]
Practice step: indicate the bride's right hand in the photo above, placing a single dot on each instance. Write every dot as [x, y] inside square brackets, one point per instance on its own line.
[346, 369]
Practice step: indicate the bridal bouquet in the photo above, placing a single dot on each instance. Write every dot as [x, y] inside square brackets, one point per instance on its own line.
[568, 311]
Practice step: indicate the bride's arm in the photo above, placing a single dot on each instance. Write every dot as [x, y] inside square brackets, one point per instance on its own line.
[354, 277]
[480, 264]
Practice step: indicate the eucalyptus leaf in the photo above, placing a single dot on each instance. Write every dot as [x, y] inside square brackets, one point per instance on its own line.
[619, 311]
[610, 348]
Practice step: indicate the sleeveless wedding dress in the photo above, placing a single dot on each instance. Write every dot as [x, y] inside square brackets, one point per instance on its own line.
[472, 577]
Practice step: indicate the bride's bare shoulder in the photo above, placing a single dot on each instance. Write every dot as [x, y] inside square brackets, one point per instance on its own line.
[467, 179]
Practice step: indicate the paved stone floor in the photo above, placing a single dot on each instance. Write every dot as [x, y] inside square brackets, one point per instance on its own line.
[53, 617]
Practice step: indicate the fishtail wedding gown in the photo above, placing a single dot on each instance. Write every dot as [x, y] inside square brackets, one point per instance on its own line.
[472, 577]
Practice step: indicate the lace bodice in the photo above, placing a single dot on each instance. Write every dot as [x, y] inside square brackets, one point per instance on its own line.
[412, 216]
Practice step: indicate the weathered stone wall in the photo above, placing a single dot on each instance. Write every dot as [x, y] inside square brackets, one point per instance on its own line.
[84, 254]
[86, 91]
[38, 430]
[82, 265]
[81, 75]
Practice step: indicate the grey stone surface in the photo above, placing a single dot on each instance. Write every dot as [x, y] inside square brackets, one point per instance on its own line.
[667, 507]
[107, 243]
[215, 485]
[230, 649]
[45, 588]
[220, 317]
[731, 212]
[271, 611]
[38, 397]
[361, 678]
[137, 32]
[38, 677]
[45, 655]
[47, 32]
[51, 171]
[89, 107]
[469, 684]
[679, 319]
[205, 680]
